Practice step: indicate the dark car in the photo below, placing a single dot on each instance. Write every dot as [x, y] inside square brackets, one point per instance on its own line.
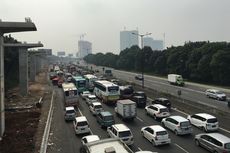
[139, 77]
[140, 93]
[139, 100]
[162, 101]
[105, 119]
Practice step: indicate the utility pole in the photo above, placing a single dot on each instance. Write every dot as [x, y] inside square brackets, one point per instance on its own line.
[143, 57]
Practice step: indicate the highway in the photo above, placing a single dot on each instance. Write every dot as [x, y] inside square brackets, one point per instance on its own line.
[63, 139]
[191, 91]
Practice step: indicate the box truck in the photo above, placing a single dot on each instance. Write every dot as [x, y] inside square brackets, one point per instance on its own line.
[126, 109]
[175, 79]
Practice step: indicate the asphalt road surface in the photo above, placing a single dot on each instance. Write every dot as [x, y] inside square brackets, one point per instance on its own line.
[63, 139]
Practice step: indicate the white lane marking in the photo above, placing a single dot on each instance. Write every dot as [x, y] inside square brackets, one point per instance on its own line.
[139, 148]
[224, 130]
[83, 115]
[181, 148]
[139, 119]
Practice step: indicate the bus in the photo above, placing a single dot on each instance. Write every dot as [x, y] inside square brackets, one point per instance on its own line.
[90, 79]
[126, 92]
[71, 97]
[107, 91]
[80, 83]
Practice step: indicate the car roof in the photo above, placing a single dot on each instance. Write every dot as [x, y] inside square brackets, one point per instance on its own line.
[91, 138]
[140, 92]
[86, 91]
[91, 96]
[215, 90]
[178, 118]
[158, 106]
[157, 128]
[138, 96]
[106, 113]
[163, 99]
[81, 118]
[96, 103]
[121, 127]
[220, 137]
[69, 108]
[205, 115]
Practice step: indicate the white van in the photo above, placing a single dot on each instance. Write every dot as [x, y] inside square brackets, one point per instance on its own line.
[178, 124]
[121, 131]
[204, 121]
[95, 108]
[81, 125]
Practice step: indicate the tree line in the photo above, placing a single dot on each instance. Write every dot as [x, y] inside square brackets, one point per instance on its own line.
[206, 62]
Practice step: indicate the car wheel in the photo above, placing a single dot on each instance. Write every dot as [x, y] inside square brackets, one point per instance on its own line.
[142, 133]
[147, 112]
[153, 142]
[197, 142]
[176, 132]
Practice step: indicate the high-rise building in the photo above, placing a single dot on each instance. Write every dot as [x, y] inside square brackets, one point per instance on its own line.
[84, 48]
[127, 39]
[154, 44]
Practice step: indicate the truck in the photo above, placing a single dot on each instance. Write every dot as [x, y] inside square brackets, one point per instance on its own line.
[175, 79]
[126, 109]
[71, 97]
[109, 145]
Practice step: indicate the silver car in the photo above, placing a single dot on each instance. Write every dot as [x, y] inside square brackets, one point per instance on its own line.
[214, 142]
[216, 94]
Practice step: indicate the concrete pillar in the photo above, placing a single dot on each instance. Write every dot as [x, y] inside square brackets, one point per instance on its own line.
[37, 65]
[32, 68]
[23, 71]
[2, 92]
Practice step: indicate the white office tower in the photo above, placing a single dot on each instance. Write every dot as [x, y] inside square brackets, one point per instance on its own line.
[127, 39]
[154, 44]
[84, 48]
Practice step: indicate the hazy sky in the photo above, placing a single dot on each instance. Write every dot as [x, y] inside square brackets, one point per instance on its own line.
[61, 22]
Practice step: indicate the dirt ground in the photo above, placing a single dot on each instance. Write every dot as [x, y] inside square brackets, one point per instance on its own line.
[25, 121]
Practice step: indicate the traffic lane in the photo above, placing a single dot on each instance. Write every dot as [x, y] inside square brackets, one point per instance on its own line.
[185, 141]
[189, 94]
[139, 141]
[62, 137]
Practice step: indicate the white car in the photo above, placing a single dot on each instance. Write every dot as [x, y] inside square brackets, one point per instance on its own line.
[216, 94]
[95, 108]
[81, 125]
[204, 121]
[156, 134]
[85, 94]
[157, 111]
[70, 113]
[122, 132]
[90, 99]
[178, 124]
[89, 138]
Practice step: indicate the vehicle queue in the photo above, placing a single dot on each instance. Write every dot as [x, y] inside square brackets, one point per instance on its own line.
[155, 134]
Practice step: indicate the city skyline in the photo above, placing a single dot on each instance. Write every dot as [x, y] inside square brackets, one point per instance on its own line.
[61, 23]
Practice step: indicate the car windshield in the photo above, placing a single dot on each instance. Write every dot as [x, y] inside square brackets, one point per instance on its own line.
[186, 123]
[161, 133]
[70, 111]
[84, 123]
[97, 106]
[212, 120]
[124, 134]
[163, 110]
[219, 92]
[108, 118]
[227, 146]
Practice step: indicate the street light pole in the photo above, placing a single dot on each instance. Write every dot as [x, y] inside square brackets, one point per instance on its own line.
[142, 48]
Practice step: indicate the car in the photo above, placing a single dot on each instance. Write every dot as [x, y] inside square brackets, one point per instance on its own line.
[52, 75]
[85, 94]
[91, 98]
[213, 142]
[156, 134]
[70, 113]
[122, 132]
[216, 94]
[157, 111]
[89, 138]
[105, 119]
[163, 101]
[81, 125]
[139, 100]
[139, 77]
[140, 93]
[178, 124]
[204, 121]
[95, 108]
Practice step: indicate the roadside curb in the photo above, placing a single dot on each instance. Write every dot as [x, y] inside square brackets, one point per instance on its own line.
[45, 136]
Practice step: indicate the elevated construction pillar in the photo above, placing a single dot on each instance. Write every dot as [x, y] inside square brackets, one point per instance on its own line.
[9, 27]
[23, 64]
[32, 67]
